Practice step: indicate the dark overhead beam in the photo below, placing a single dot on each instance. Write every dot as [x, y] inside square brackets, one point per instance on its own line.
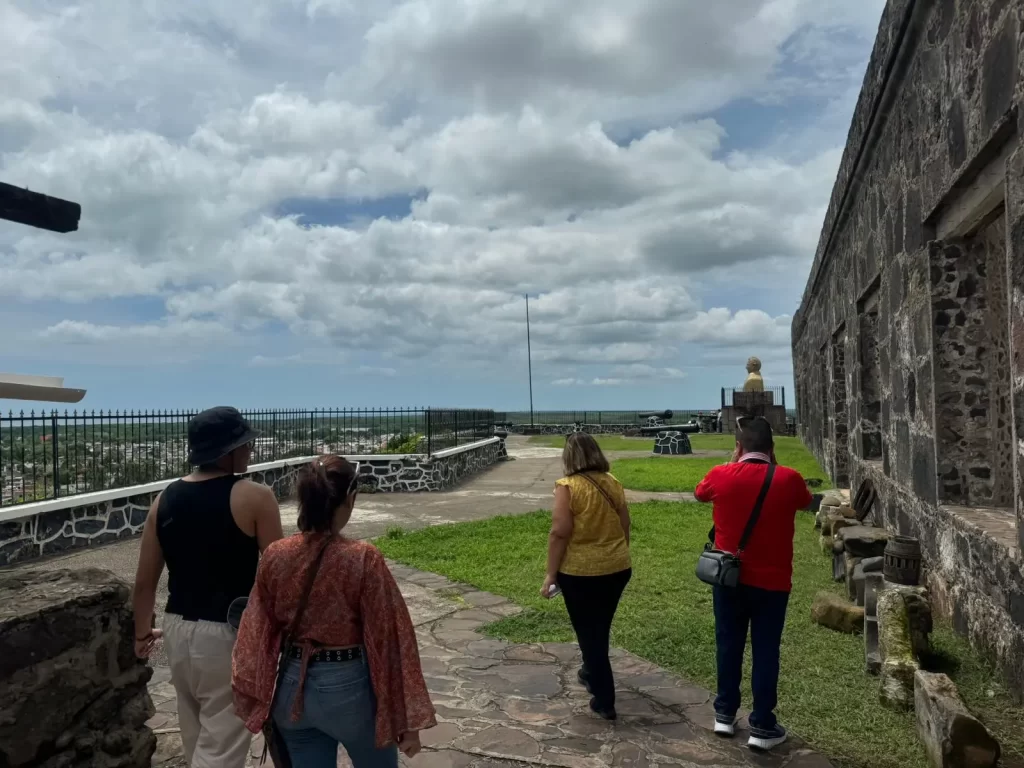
[38, 210]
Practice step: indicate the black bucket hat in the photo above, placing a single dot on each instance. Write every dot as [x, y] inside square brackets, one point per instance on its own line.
[215, 433]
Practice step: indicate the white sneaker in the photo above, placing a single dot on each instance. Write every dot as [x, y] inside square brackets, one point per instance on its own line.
[765, 739]
[725, 727]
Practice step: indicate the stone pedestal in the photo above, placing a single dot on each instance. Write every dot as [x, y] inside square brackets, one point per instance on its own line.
[898, 664]
[672, 443]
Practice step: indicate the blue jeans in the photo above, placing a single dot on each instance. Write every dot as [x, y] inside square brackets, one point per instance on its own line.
[339, 708]
[764, 612]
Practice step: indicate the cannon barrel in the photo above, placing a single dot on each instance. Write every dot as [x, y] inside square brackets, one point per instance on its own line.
[503, 424]
[656, 414]
[686, 429]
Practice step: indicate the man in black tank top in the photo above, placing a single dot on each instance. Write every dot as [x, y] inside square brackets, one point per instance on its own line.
[208, 529]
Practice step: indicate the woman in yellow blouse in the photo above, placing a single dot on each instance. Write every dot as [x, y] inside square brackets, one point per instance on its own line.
[588, 559]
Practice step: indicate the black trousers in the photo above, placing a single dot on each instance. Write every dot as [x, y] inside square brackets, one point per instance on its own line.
[591, 602]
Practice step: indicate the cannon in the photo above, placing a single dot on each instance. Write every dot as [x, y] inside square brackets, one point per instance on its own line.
[503, 424]
[655, 415]
[687, 429]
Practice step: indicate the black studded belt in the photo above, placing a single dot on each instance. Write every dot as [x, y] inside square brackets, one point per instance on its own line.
[328, 654]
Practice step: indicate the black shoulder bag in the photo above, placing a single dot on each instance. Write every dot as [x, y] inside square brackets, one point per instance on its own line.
[722, 569]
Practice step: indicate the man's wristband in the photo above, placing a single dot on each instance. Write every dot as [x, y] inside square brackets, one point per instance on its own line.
[142, 639]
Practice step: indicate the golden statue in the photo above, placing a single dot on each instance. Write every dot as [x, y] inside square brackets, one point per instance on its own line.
[754, 382]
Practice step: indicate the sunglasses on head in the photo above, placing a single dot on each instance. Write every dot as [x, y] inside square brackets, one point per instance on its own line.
[354, 485]
[744, 421]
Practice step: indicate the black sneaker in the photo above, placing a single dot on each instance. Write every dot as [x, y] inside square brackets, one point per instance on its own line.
[608, 713]
[766, 738]
[581, 676]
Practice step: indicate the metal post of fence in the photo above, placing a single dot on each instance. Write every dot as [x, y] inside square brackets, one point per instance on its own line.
[312, 448]
[56, 454]
[783, 397]
[456, 428]
[430, 435]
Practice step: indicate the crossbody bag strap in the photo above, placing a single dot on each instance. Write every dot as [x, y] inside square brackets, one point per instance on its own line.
[604, 493]
[756, 513]
[293, 626]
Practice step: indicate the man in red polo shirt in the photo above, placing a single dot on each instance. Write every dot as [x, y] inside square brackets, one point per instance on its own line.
[766, 576]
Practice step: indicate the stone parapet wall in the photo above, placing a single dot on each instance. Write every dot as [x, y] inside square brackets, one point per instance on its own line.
[52, 527]
[60, 525]
[415, 473]
[72, 692]
[565, 429]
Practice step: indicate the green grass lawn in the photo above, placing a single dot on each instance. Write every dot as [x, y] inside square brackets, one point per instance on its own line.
[678, 474]
[666, 617]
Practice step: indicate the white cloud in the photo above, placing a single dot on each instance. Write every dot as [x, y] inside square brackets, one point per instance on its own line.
[555, 150]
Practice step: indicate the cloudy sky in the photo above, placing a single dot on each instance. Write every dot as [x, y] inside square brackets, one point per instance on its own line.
[342, 202]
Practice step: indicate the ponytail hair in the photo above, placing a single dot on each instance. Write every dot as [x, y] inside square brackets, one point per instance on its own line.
[324, 485]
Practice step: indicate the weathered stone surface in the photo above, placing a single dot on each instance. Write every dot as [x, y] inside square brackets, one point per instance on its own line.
[895, 651]
[909, 354]
[71, 689]
[919, 616]
[952, 736]
[863, 541]
[832, 611]
[873, 564]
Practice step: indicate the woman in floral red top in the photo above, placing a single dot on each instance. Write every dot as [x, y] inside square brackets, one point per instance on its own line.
[354, 677]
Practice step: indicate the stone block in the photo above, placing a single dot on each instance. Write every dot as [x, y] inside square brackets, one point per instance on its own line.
[858, 584]
[846, 511]
[835, 523]
[919, 615]
[833, 498]
[952, 736]
[898, 664]
[850, 563]
[832, 611]
[863, 540]
[873, 564]
[872, 585]
[838, 567]
[872, 658]
[71, 689]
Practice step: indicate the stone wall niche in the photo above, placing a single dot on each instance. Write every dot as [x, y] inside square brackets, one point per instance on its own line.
[72, 692]
[870, 379]
[970, 305]
[839, 421]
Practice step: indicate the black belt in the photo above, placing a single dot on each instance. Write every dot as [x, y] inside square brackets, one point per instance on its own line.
[328, 654]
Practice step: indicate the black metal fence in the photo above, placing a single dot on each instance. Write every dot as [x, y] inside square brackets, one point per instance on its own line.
[50, 455]
[638, 418]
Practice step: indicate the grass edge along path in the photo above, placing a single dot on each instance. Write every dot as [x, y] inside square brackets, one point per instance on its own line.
[666, 617]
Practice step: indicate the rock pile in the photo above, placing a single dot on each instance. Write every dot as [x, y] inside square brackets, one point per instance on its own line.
[896, 620]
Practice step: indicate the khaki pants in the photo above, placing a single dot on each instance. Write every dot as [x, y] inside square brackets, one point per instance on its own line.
[199, 653]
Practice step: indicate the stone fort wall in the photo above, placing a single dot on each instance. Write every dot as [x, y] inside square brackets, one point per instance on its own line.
[52, 527]
[908, 346]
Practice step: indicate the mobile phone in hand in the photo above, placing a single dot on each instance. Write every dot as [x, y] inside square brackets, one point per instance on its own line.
[554, 591]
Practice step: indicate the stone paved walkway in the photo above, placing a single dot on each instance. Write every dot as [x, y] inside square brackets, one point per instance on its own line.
[501, 705]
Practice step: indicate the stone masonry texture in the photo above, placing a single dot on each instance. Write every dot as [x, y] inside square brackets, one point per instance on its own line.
[86, 525]
[908, 346]
[72, 692]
